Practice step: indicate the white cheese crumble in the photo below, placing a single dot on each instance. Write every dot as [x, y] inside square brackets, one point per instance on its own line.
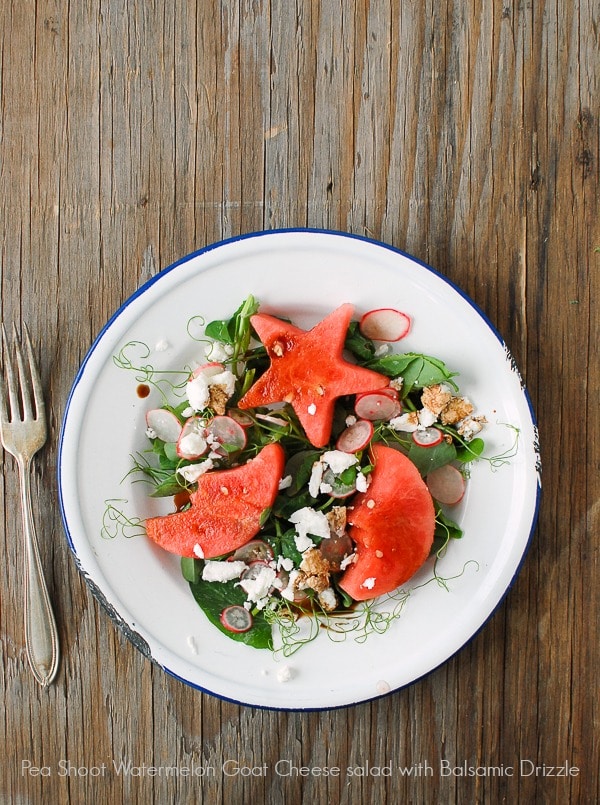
[284, 674]
[150, 433]
[285, 483]
[193, 444]
[222, 571]
[316, 476]
[350, 420]
[257, 588]
[192, 472]
[347, 561]
[426, 418]
[283, 563]
[338, 460]
[218, 352]
[312, 409]
[289, 591]
[368, 583]
[162, 345]
[362, 482]
[198, 551]
[310, 521]
[405, 423]
[303, 542]
[198, 387]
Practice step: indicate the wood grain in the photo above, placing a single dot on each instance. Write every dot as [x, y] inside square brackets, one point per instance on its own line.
[466, 133]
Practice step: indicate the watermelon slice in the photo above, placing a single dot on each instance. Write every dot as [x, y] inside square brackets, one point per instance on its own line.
[226, 509]
[308, 371]
[392, 525]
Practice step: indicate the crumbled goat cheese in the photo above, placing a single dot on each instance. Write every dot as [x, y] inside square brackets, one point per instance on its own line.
[396, 383]
[303, 542]
[289, 592]
[470, 427]
[338, 461]
[407, 423]
[284, 563]
[198, 551]
[162, 345]
[284, 674]
[426, 418]
[192, 472]
[198, 389]
[312, 409]
[193, 444]
[151, 434]
[347, 561]
[285, 483]
[350, 420]
[258, 588]
[316, 476]
[362, 482]
[382, 349]
[310, 521]
[218, 352]
[222, 571]
[368, 583]
[327, 599]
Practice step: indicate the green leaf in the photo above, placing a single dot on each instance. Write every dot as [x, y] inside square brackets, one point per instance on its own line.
[191, 569]
[167, 488]
[213, 597]
[417, 371]
[361, 347]
[470, 450]
[427, 459]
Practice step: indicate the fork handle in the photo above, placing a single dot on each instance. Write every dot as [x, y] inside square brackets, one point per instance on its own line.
[41, 634]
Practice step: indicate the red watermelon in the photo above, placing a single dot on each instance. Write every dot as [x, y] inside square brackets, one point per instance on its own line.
[392, 525]
[226, 509]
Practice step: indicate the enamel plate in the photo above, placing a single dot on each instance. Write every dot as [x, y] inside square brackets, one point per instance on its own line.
[301, 275]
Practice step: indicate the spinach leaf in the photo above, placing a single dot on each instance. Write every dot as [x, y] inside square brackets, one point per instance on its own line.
[213, 597]
[427, 459]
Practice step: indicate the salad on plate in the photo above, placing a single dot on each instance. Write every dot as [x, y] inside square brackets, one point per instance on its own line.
[311, 472]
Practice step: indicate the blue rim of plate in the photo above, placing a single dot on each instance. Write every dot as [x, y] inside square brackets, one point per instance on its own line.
[138, 641]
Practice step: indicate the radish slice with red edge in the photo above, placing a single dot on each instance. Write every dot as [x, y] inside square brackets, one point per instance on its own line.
[376, 405]
[209, 369]
[355, 437]
[257, 550]
[236, 619]
[225, 430]
[384, 324]
[428, 437]
[241, 417]
[446, 485]
[192, 439]
[164, 424]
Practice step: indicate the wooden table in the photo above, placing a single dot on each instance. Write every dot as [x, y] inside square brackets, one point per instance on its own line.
[465, 133]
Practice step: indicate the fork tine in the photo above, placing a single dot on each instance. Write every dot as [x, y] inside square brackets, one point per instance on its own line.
[13, 412]
[36, 382]
[24, 384]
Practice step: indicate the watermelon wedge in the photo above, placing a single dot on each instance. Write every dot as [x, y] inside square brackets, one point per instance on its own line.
[226, 509]
[392, 526]
[308, 371]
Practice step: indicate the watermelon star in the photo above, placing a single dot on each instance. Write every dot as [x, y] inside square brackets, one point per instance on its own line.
[308, 371]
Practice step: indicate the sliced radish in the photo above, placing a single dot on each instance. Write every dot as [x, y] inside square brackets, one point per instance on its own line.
[192, 439]
[428, 437]
[241, 417]
[384, 324]
[164, 424]
[376, 405]
[209, 369]
[236, 619]
[257, 550]
[356, 437]
[446, 484]
[224, 430]
[337, 487]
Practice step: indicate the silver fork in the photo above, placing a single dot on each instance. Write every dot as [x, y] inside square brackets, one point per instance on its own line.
[23, 432]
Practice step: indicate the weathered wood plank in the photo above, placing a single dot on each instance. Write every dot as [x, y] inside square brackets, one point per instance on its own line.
[132, 133]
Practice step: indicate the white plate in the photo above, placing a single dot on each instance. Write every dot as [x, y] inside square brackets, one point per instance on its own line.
[303, 275]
